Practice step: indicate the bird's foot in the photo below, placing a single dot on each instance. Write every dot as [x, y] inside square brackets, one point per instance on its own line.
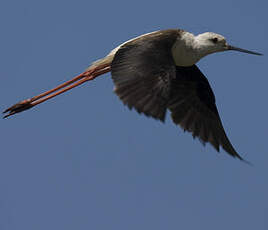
[19, 107]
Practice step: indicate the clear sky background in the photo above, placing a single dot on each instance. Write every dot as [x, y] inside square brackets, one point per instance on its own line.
[84, 161]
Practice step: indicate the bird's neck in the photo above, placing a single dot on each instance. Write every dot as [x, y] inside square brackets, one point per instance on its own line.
[187, 51]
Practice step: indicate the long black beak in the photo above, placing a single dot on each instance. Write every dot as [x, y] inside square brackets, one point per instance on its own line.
[242, 50]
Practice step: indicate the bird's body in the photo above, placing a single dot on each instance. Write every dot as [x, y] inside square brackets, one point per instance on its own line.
[156, 72]
[185, 49]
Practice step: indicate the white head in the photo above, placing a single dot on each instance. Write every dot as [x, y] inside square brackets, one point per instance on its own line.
[189, 49]
[209, 42]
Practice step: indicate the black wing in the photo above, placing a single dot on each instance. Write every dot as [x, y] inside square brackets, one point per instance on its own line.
[147, 79]
[142, 70]
[192, 106]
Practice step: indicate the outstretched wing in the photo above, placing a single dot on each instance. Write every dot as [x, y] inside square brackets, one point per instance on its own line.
[147, 79]
[192, 106]
[142, 70]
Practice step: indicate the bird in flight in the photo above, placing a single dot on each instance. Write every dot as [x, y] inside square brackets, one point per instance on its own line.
[156, 72]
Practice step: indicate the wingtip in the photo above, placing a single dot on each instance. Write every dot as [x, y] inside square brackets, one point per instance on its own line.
[243, 160]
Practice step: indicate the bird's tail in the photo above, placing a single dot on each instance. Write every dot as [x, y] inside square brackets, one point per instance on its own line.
[107, 60]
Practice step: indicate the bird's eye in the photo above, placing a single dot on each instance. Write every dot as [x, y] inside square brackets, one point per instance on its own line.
[214, 40]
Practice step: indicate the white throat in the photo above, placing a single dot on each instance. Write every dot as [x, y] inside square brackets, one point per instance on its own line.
[186, 50]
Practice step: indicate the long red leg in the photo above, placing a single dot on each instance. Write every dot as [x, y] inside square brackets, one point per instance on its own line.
[76, 81]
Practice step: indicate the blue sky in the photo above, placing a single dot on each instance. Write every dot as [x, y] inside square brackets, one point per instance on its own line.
[84, 161]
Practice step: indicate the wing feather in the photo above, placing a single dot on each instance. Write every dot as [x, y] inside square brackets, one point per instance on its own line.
[192, 106]
[147, 79]
[142, 70]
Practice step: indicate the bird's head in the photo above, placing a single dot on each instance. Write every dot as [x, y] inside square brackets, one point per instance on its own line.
[209, 42]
